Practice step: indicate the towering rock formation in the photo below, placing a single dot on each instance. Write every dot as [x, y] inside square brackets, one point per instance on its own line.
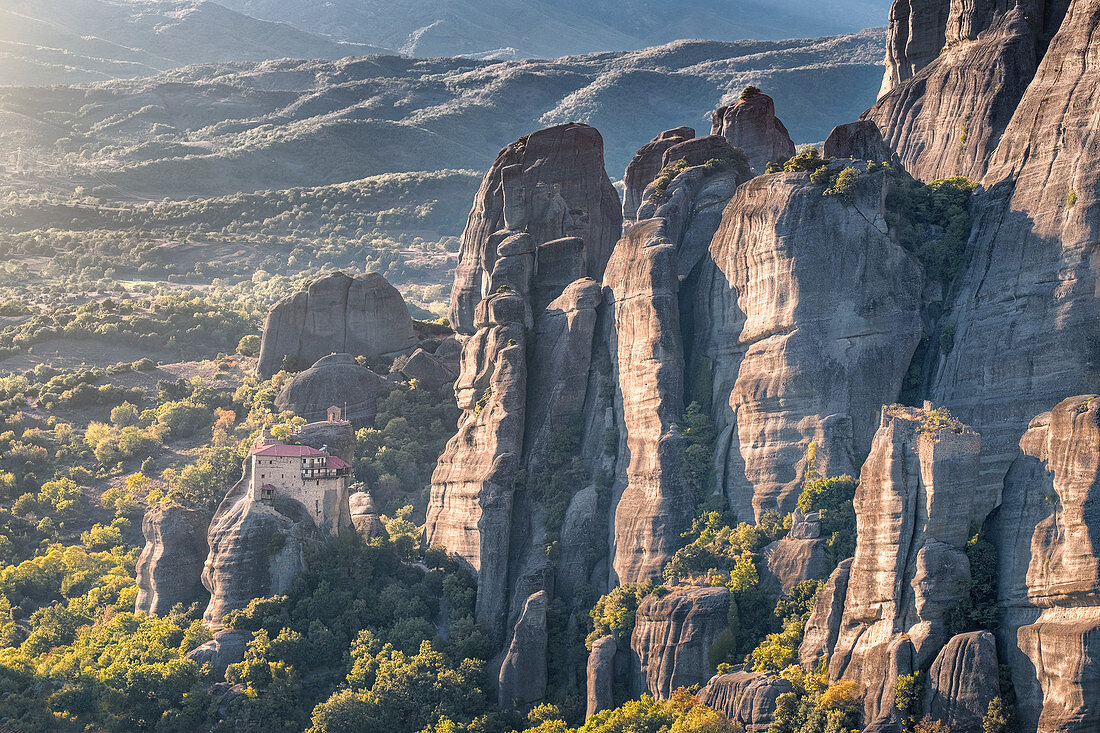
[600, 674]
[548, 185]
[645, 166]
[1025, 309]
[334, 381]
[257, 545]
[748, 698]
[751, 124]
[807, 314]
[916, 502]
[170, 565]
[522, 680]
[823, 625]
[335, 314]
[1046, 533]
[672, 636]
[962, 682]
[652, 504]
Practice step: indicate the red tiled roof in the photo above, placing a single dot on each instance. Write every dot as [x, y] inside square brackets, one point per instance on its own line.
[336, 462]
[287, 451]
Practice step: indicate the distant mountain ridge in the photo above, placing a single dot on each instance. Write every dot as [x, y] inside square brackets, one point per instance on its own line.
[72, 41]
[215, 129]
[551, 28]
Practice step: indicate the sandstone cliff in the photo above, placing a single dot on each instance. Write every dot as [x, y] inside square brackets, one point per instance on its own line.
[1024, 310]
[748, 698]
[808, 315]
[1049, 584]
[644, 167]
[170, 566]
[335, 314]
[915, 505]
[672, 636]
[549, 185]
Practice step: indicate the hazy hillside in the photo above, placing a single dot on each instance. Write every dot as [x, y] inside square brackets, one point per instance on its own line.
[69, 41]
[218, 129]
[540, 28]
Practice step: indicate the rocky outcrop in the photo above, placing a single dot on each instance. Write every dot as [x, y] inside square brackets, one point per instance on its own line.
[962, 681]
[1049, 579]
[645, 166]
[823, 625]
[338, 313]
[335, 380]
[170, 566]
[916, 502]
[365, 517]
[470, 507]
[672, 636]
[601, 675]
[1024, 309]
[857, 140]
[548, 185]
[748, 698]
[227, 647]
[914, 37]
[522, 681]
[807, 315]
[428, 369]
[801, 555]
[947, 119]
[651, 503]
[691, 204]
[751, 124]
[258, 548]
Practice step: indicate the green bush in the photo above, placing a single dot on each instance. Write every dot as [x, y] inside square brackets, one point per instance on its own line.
[933, 222]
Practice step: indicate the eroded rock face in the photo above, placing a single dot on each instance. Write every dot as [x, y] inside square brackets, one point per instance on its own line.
[790, 560]
[1025, 308]
[523, 671]
[227, 647]
[1049, 580]
[170, 567]
[549, 185]
[748, 698]
[601, 675]
[962, 681]
[645, 166]
[428, 369]
[651, 503]
[672, 636]
[751, 124]
[858, 140]
[823, 626]
[916, 501]
[335, 314]
[914, 37]
[947, 119]
[807, 315]
[334, 381]
[365, 517]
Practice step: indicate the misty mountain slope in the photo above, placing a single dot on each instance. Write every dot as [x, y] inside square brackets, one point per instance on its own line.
[70, 41]
[214, 129]
[538, 28]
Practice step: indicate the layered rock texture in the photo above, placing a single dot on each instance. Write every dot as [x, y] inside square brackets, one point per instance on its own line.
[522, 680]
[751, 124]
[915, 505]
[962, 681]
[1049, 582]
[338, 313]
[672, 636]
[807, 315]
[646, 165]
[748, 698]
[548, 185]
[170, 565]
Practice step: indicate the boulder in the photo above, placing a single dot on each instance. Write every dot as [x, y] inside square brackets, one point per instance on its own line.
[334, 380]
[651, 503]
[673, 635]
[751, 124]
[859, 140]
[227, 647]
[428, 369]
[748, 698]
[337, 437]
[916, 502]
[645, 166]
[789, 561]
[962, 681]
[169, 570]
[806, 317]
[523, 671]
[550, 184]
[365, 517]
[601, 675]
[337, 313]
